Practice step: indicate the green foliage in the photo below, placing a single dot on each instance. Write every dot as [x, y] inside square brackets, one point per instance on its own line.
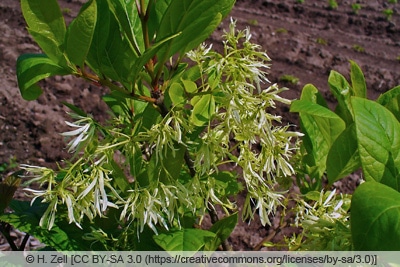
[281, 31]
[375, 217]
[8, 166]
[356, 7]
[321, 41]
[332, 4]
[359, 133]
[388, 13]
[289, 79]
[324, 218]
[253, 22]
[179, 111]
[358, 48]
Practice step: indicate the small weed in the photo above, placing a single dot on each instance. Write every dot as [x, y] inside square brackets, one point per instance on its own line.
[300, 1]
[355, 7]
[358, 48]
[332, 4]
[392, 1]
[252, 22]
[388, 13]
[289, 79]
[321, 41]
[5, 167]
[398, 58]
[66, 11]
[281, 30]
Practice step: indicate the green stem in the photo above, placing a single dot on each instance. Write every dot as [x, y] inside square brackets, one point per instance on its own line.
[113, 87]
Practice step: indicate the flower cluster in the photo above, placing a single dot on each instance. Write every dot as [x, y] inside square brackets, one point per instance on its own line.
[157, 168]
[243, 117]
[325, 221]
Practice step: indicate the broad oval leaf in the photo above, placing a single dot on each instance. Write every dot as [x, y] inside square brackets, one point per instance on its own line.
[126, 13]
[177, 94]
[358, 85]
[343, 157]
[190, 86]
[110, 53]
[378, 135]
[311, 93]
[342, 91]
[321, 127]
[203, 110]
[80, 33]
[222, 229]
[391, 101]
[191, 239]
[63, 236]
[32, 68]
[47, 26]
[375, 217]
[197, 20]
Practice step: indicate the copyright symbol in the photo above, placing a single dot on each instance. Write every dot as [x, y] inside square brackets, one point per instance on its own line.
[30, 259]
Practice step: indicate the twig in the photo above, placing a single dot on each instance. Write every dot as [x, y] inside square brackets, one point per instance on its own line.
[5, 230]
[24, 241]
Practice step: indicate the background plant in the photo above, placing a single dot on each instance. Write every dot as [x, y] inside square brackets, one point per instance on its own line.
[179, 112]
[388, 13]
[332, 4]
[356, 7]
[359, 133]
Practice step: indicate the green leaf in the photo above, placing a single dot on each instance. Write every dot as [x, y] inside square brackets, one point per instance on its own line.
[148, 117]
[375, 218]
[378, 134]
[359, 87]
[80, 34]
[203, 110]
[163, 168]
[343, 157]
[118, 103]
[63, 236]
[194, 19]
[47, 26]
[391, 101]
[177, 94]
[311, 93]
[7, 189]
[31, 68]
[191, 239]
[111, 53]
[120, 180]
[222, 229]
[126, 13]
[190, 86]
[75, 109]
[150, 53]
[321, 127]
[226, 183]
[342, 90]
[157, 11]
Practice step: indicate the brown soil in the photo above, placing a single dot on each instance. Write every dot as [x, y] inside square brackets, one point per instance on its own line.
[304, 40]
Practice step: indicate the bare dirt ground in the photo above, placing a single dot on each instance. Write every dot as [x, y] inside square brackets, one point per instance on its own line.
[303, 40]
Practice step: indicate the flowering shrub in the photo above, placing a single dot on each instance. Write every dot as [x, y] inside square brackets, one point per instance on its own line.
[180, 111]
